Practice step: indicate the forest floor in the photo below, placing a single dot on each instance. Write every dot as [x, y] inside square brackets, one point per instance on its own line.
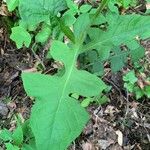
[121, 124]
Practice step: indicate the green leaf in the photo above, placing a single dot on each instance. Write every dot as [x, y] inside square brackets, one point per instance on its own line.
[81, 26]
[137, 53]
[76, 96]
[123, 3]
[73, 7]
[127, 3]
[44, 34]
[119, 56]
[26, 129]
[129, 86]
[5, 135]
[121, 30]
[26, 26]
[98, 68]
[92, 56]
[112, 7]
[20, 36]
[62, 118]
[9, 146]
[130, 77]
[68, 19]
[36, 11]
[130, 80]
[100, 19]
[138, 92]
[18, 134]
[30, 146]
[101, 99]
[147, 91]
[27, 147]
[12, 4]
[86, 102]
[85, 8]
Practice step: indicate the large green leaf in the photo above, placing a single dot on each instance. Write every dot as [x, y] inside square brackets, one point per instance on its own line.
[56, 118]
[121, 29]
[36, 11]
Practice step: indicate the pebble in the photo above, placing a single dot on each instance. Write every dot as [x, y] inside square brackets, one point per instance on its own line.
[3, 110]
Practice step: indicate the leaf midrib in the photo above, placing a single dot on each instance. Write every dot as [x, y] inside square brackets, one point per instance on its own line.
[64, 89]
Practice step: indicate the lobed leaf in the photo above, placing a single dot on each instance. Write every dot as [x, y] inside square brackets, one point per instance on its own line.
[121, 30]
[20, 36]
[62, 118]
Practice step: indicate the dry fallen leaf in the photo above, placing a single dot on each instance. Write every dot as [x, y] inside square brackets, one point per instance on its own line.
[134, 104]
[87, 146]
[140, 84]
[30, 70]
[120, 137]
[4, 10]
[134, 113]
[148, 6]
[105, 143]
[111, 110]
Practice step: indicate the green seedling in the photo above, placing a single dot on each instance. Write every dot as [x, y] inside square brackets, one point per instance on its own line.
[131, 85]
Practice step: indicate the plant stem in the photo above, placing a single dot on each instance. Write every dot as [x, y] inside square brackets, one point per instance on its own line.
[100, 8]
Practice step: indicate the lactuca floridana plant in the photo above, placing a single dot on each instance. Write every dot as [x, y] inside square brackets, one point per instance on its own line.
[56, 117]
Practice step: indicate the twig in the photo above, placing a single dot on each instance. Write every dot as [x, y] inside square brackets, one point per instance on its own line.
[37, 57]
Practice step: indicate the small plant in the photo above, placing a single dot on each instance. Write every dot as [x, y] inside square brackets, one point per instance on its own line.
[135, 85]
[93, 37]
[14, 140]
